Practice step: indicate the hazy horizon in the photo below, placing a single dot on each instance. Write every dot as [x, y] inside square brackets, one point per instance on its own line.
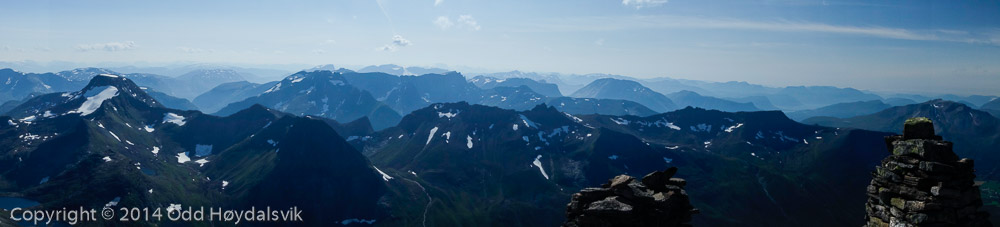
[920, 47]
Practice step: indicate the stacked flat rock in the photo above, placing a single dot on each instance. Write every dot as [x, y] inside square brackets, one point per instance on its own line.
[923, 183]
[656, 200]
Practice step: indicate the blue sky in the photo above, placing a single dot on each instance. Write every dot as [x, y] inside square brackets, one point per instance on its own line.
[904, 46]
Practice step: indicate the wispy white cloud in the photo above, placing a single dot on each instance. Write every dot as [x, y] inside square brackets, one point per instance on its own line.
[443, 22]
[400, 41]
[329, 42]
[397, 42]
[469, 22]
[111, 47]
[463, 22]
[318, 51]
[599, 42]
[639, 4]
[681, 22]
[191, 50]
[438, 2]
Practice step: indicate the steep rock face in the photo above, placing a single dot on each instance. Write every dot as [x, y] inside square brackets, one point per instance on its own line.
[923, 183]
[655, 200]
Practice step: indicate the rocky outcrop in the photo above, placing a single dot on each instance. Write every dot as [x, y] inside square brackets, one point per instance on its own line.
[923, 183]
[657, 199]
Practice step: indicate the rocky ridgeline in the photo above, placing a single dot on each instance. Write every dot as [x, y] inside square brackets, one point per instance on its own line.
[923, 183]
[656, 200]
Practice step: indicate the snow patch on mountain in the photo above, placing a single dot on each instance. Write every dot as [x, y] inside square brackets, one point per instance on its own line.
[449, 114]
[734, 127]
[538, 163]
[527, 122]
[276, 87]
[620, 121]
[182, 157]
[577, 119]
[385, 177]
[201, 162]
[116, 136]
[173, 118]
[95, 97]
[431, 137]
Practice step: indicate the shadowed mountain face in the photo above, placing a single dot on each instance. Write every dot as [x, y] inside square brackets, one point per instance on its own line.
[841, 110]
[523, 98]
[546, 89]
[627, 90]
[320, 93]
[408, 93]
[522, 162]
[170, 101]
[992, 105]
[689, 98]
[112, 142]
[975, 133]
[224, 94]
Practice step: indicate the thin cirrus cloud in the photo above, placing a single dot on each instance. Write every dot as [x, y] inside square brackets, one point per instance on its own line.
[110, 47]
[438, 2]
[192, 50]
[639, 4]
[683, 22]
[443, 22]
[463, 22]
[397, 42]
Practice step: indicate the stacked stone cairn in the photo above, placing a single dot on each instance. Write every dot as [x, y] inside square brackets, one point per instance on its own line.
[657, 199]
[923, 183]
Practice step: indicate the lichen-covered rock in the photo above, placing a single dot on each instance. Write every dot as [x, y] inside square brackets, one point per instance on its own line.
[923, 183]
[657, 199]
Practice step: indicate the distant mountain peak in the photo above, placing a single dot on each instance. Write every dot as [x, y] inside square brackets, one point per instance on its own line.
[329, 67]
[83, 74]
[214, 74]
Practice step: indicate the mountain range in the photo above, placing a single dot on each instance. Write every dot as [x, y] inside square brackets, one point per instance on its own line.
[517, 158]
[19, 85]
[112, 142]
[320, 93]
[511, 167]
[401, 71]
